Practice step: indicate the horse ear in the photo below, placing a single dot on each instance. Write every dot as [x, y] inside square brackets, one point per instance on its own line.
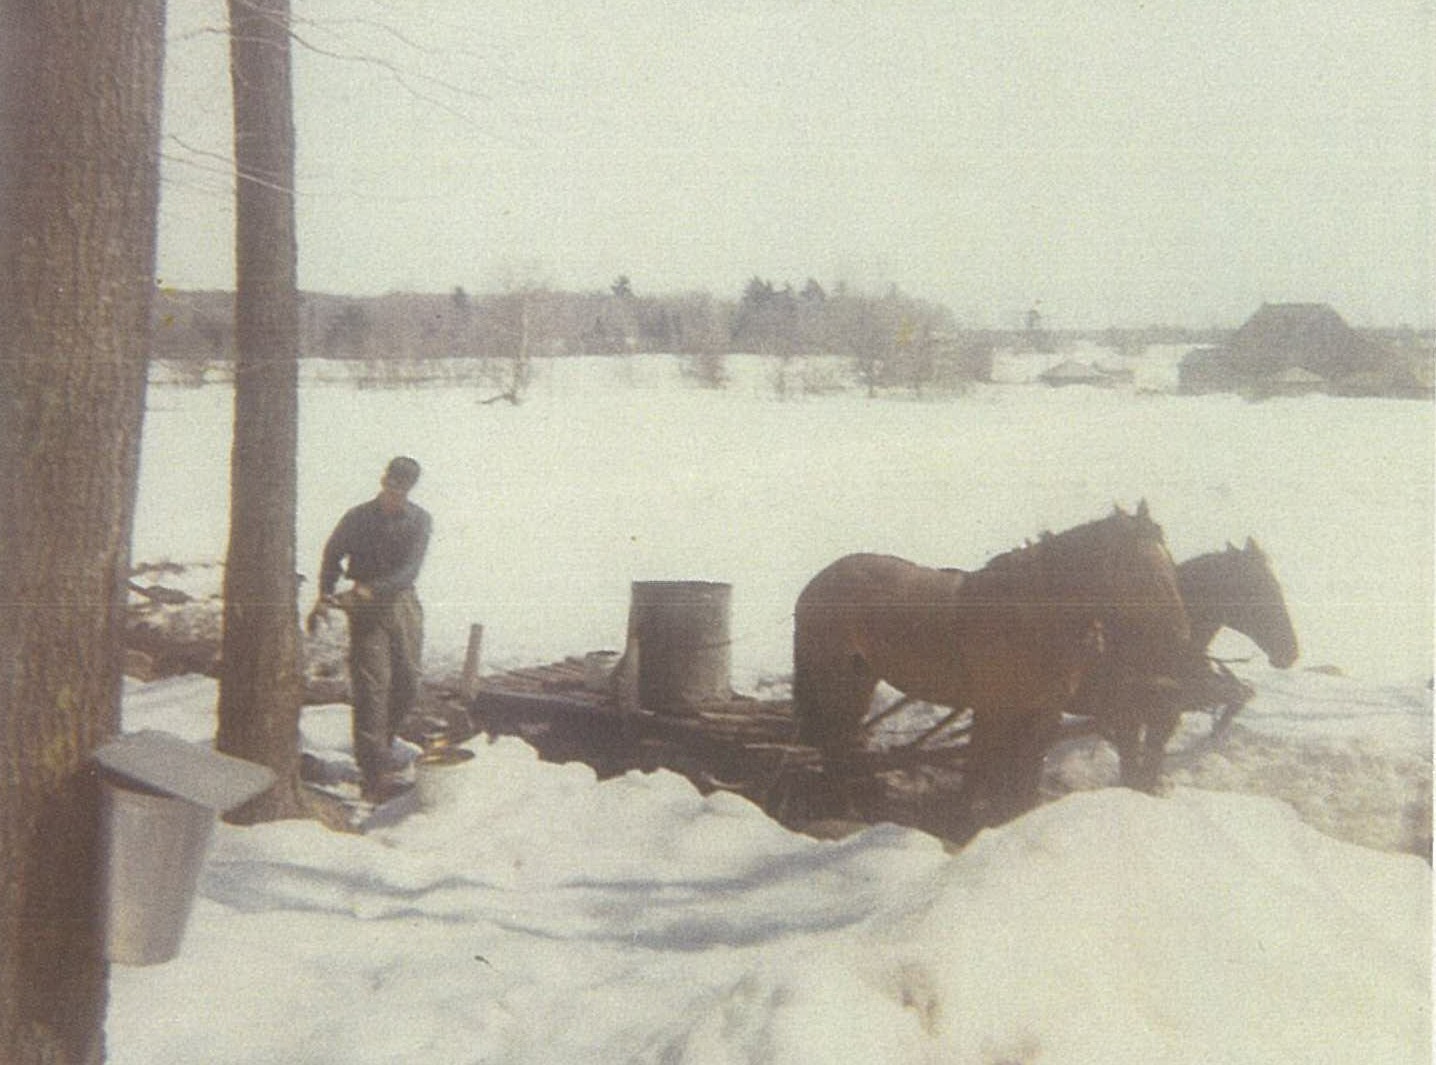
[1231, 546]
[1142, 511]
[1252, 548]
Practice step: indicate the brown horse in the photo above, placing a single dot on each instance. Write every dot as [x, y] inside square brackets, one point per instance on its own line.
[1011, 641]
[1235, 589]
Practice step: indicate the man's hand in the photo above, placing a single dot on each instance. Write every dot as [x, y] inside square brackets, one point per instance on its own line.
[351, 598]
[319, 615]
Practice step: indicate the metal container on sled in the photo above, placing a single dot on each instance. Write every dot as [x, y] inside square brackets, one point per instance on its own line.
[682, 631]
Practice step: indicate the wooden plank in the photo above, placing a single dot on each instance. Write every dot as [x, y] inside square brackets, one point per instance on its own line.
[530, 704]
[713, 736]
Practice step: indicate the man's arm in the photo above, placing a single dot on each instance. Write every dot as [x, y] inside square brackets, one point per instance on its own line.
[332, 563]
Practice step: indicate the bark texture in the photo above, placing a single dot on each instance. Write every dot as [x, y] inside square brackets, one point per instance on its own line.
[80, 84]
[260, 690]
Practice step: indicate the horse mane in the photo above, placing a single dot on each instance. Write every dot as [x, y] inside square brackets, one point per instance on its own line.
[1220, 564]
[1079, 540]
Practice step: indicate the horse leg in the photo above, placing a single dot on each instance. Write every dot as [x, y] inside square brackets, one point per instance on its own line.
[992, 759]
[1158, 730]
[1123, 729]
[831, 696]
[832, 701]
[1142, 746]
[853, 786]
[1167, 699]
[1029, 756]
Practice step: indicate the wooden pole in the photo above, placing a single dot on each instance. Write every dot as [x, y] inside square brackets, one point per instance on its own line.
[469, 679]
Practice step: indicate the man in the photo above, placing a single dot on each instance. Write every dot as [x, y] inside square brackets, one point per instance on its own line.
[383, 542]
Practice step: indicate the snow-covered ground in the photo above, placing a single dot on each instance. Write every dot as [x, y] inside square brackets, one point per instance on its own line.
[1260, 912]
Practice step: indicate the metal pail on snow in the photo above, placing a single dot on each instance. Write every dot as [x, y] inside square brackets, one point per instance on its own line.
[434, 776]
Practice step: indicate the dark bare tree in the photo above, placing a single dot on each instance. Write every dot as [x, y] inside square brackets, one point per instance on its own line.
[80, 85]
[260, 692]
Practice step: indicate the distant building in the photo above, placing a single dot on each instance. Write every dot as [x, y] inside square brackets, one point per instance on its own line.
[1072, 372]
[1296, 348]
[1293, 381]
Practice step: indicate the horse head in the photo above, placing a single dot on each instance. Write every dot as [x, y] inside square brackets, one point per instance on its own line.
[1253, 603]
[1140, 524]
[1120, 565]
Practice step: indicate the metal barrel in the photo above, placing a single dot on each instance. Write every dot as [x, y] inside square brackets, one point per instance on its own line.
[685, 651]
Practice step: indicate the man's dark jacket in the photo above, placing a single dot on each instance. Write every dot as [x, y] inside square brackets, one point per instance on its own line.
[384, 551]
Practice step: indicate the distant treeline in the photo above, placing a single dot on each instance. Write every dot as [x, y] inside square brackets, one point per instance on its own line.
[876, 330]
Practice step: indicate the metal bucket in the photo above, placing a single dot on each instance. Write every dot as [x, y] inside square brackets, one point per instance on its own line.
[681, 628]
[434, 777]
[156, 845]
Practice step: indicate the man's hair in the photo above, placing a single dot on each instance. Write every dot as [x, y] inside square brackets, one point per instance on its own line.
[401, 473]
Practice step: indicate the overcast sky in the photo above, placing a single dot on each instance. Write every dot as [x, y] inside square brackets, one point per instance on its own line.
[1109, 162]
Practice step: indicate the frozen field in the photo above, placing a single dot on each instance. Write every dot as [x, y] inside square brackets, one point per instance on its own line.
[1255, 914]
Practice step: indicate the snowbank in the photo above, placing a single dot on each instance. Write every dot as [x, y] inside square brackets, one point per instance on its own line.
[546, 916]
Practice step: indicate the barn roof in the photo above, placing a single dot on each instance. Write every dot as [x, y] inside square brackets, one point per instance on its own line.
[1311, 336]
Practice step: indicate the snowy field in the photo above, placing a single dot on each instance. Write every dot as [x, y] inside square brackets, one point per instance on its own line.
[1263, 911]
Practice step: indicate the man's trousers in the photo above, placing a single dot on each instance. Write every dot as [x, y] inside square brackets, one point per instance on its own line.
[386, 640]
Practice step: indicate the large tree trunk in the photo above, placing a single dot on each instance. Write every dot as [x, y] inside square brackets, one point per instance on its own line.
[260, 692]
[79, 152]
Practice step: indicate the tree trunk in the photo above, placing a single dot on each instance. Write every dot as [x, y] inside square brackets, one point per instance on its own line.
[79, 135]
[260, 691]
